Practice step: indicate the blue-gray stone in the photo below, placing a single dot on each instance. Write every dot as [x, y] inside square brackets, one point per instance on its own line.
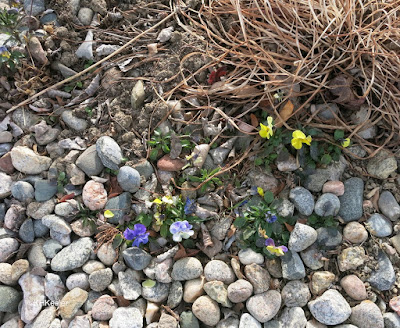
[9, 299]
[45, 190]
[89, 162]
[73, 256]
[389, 206]
[384, 277]
[34, 7]
[51, 247]
[188, 320]
[327, 205]
[129, 179]
[144, 168]
[303, 200]
[351, 201]
[379, 226]
[391, 320]
[292, 266]
[5, 148]
[157, 294]
[109, 152]
[120, 206]
[2, 211]
[26, 231]
[39, 228]
[329, 237]
[22, 191]
[136, 258]
[49, 18]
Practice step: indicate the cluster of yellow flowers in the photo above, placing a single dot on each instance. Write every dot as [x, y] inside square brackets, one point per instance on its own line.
[298, 137]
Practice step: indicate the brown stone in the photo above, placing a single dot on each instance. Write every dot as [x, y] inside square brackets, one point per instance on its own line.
[333, 187]
[6, 164]
[166, 163]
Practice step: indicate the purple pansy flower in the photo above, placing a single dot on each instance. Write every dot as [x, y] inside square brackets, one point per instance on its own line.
[181, 229]
[138, 234]
[279, 250]
[270, 218]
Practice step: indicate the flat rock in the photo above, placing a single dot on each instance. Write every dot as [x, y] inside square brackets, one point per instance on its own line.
[389, 206]
[248, 256]
[301, 237]
[354, 287]
[129, 179]
[295, 293]
[292, 266]
[384, 277]
[351, 258]
[119, 205]
[351, 202]
[187, 268]
[73, 256]
[263, 307]
[33, 289]
[367, 314]
[330, 308]
[321, 281]
[126, 317]
[136, 258]
[73, 122]
[258, 277]
[131, 289]
[328, 204]
[379, 226]
[109, 152]
[27, 161]
[89, 162]
[9, 298]
[303, 200]
[206, 310]
[219, 270]
[71, 303]
[382, 164]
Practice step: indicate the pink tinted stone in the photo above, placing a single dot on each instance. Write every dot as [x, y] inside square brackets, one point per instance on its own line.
[94, 195]
[394, 304]
[166, 163]
[103, 308]
[355, 233]
[333, 187]
[354, 287]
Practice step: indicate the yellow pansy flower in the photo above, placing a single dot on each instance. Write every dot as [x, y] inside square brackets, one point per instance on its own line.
[260, 191]
[346, 142]
[299, 138]
[267, 130]
[157, 201]
[275, 250]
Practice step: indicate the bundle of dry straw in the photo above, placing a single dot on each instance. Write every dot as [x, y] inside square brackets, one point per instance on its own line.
[313, 44]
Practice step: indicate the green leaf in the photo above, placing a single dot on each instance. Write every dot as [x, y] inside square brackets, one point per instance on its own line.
[148, 283]
[339, 134]
[188, 243]
[164, 231]
[268, 197]
[240, 222]
[326, 159]
[248, 232]
[61, 176]
[79, 84]
[166, 149]
[153, 154]
[146, 220]
[117, 241]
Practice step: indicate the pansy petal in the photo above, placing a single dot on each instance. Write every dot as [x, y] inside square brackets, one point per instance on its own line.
[346, 142]
[269, 242]
[270, 120]
[296, 143]
[308, 140]
[177, 237]
[297, 134]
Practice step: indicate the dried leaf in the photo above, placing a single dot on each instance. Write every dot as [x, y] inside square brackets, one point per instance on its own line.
[207, 241]
[39, 271]
[181, 253]
[284, 113]
[375, 199]
[244, 127]
[122, 301]
[254, 120]
[66, 197]
[215, 76]
[288, 226]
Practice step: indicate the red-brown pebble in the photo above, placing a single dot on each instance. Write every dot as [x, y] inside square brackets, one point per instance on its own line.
[333, 187]
[354, 287]
[166, 163]
[394, 304]
[6, 164]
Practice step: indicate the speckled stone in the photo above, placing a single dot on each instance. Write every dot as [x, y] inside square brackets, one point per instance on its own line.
[354, 287]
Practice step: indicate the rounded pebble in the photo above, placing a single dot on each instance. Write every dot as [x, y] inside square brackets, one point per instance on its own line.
[354, 287]
[239, 291]
[219, 270]
[206, 310]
